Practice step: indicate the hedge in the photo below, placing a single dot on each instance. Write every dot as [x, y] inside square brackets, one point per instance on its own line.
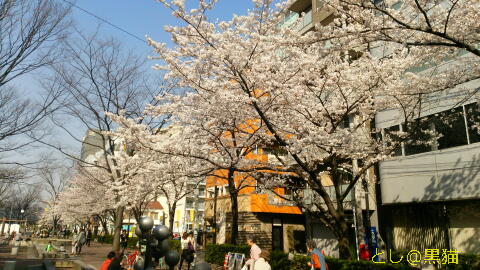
[279, 261]
[216, 253]
[465, 261]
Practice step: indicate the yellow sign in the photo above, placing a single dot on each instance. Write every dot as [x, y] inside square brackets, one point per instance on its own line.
[431, 256]
[192, 215]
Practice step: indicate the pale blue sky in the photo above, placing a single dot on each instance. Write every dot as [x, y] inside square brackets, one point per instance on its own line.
[143, 17]
[140, 18]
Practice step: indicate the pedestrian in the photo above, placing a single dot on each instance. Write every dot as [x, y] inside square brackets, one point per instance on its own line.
[317, 261]
[49, 247]
[116, 263]
[254, 251]
[123, 240]
[108, 260]
[89, 237]
[74, 243]
[188, 249]
[80, 241]
[262, 262]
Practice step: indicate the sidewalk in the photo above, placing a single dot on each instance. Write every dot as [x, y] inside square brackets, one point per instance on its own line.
[94, 255]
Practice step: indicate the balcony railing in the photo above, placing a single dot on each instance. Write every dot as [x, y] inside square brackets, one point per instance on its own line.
[305, 20]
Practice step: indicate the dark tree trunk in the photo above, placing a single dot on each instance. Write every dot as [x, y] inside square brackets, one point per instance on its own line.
[234, 201]
[344, 240]
[118, 228]
[171, 218]
[104, 226]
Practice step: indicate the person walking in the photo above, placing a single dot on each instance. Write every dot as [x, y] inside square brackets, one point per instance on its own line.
[108, 260]
[317, 261]
[123, 240]
[188, 249]
[80, 241]
[254, 252]
[262, 262]
[89, 237]
[74, 242]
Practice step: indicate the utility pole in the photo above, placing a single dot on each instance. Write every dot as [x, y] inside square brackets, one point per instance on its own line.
[215, 216]
[357, 212]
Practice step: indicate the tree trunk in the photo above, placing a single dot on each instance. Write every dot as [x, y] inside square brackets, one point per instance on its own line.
[171, 218]
[118, 228]
[234, 200]
[105, 227]
[343, 239]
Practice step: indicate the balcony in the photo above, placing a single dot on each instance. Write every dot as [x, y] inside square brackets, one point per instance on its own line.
[305, 21]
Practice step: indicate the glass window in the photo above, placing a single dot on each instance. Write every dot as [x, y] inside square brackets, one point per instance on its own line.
[392, 133]
[419, 136]
[450, 126]
[473, 120]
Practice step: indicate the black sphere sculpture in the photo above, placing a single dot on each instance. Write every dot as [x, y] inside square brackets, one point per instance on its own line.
[172, 258]
[202, 266]
[139, 265]
[163, 247]
[161, 232]
[145, 224]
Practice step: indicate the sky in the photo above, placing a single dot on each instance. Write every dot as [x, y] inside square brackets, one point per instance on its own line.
[137, 17]
[143, 17]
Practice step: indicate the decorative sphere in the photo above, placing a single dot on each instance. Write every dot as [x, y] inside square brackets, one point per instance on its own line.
[138, 265]
[172, 258]
[153, 242]
[161, 232]
[138, 232]
[145, 224]
[202, 266]
[163, 246]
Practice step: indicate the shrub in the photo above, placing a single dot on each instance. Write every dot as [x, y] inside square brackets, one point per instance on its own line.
[175, 245]
[300, 263]
[216, 253]
[106, 239]
[465, 261]
[132, 242]
[279, 260]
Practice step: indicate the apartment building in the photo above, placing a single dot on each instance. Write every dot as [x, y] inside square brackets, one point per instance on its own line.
[430, 194]
[276, 223]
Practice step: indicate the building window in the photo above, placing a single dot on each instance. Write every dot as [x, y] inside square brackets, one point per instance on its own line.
[421, 139]
[450, 126]
[447, 129]
[473, 121]
[393, 134]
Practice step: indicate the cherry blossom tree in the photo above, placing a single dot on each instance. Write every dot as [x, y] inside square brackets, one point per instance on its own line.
[315, 95]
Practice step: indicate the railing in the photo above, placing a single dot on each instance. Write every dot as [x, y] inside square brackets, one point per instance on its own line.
[274, 199]
[305, 20]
